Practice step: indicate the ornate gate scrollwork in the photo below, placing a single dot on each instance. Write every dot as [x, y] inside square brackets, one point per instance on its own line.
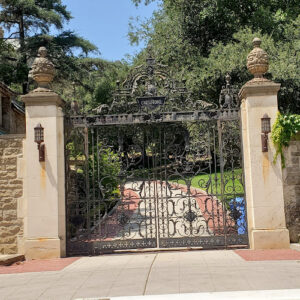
[155, 169]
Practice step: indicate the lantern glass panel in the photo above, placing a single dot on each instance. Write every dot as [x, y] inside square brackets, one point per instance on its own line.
[39, 134]
[265, 125]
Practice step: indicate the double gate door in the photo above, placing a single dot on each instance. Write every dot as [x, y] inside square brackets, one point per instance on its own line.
[154, 185]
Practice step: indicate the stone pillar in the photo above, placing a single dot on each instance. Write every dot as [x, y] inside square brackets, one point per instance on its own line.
[44, 220]
[263, 178]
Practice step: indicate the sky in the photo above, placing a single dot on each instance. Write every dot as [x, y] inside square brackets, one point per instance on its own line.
[105, 24]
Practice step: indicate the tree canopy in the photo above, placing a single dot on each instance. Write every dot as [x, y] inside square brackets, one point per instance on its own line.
[86, 79]
[203, 40]
[206, 22]
[29, 22]
[31, 15]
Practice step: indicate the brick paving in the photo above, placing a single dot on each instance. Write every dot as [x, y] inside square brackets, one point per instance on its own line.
[263, 255]
[38, 265]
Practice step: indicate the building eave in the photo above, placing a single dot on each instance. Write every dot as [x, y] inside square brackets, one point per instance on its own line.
[4, 89]
[16, 106]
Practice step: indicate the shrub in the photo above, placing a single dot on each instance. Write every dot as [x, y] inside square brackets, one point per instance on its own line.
[284, 129]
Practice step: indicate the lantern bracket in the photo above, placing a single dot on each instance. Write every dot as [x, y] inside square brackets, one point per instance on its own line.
[265, 130]
[39, 139]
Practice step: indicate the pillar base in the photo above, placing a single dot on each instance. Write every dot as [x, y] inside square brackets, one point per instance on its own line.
[43, 248]
[270, 239]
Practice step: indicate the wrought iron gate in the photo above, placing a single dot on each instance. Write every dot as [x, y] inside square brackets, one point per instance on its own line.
[145, 174]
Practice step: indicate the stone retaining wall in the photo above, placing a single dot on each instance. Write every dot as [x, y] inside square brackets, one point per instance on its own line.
[11, 192]
[291, 188]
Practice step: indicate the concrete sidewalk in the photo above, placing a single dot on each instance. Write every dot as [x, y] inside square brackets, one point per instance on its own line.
[240, 295]
[153, 274]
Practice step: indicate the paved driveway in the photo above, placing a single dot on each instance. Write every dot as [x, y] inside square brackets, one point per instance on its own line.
[154, 273]
[152, 207]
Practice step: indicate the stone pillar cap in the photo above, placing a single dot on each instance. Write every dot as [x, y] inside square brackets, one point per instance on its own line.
[259, 88]
[43, 99]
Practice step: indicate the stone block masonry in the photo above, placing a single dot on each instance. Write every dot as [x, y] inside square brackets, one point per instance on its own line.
[291, 188]
[11, 192]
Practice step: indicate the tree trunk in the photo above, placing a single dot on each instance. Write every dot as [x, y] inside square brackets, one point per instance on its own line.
[23, 51]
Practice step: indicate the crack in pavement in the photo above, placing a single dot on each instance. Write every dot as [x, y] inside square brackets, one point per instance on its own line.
[148, 275]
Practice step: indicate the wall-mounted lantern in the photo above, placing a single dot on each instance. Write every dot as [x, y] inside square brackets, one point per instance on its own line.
[265, 130]
[39, 139]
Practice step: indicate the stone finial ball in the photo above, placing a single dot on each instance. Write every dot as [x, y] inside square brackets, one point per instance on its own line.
[257, 60]
[42, 52]
[256, 42]
[43, 70]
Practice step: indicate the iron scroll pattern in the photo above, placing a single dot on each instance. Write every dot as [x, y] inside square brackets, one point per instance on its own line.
[155, 185]
[151, 93]
[155, 169]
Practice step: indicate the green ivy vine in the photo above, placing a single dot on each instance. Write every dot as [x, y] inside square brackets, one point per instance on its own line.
[283, 130]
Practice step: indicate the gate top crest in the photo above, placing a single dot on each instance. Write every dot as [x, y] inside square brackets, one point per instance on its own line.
[151, 94]
[150, 88]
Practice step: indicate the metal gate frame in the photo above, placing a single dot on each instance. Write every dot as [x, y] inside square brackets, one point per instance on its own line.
[89, 214]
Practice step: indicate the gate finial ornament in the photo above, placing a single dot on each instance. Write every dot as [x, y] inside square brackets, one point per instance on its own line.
[43, 71]
[258, 61]
[228, 98]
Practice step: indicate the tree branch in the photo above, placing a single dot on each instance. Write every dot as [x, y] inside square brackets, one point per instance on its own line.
[10, 37]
